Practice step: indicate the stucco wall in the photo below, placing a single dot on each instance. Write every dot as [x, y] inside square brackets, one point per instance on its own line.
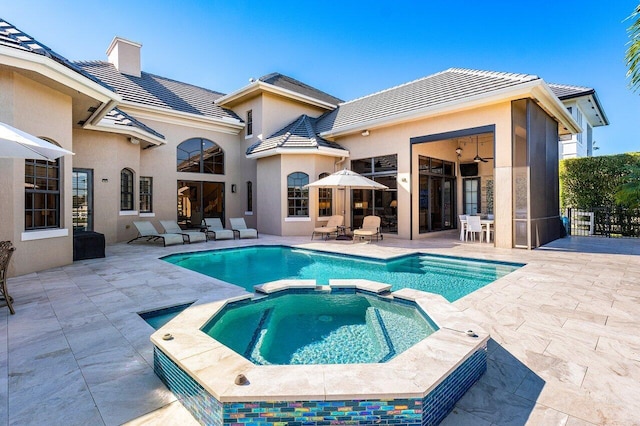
[269, 194]
[43, 112]
[107, 154]
[396, 139]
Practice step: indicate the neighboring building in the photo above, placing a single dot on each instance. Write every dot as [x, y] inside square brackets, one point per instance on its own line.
[151, 147]
[586, 110]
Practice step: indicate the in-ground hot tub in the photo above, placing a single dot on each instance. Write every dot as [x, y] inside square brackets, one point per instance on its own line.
[419, 384]
[330, 327]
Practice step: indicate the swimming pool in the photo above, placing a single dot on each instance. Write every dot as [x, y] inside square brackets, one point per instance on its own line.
[319, 328]
[452, 277]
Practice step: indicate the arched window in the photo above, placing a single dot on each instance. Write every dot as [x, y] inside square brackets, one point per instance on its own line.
[199, 155]
[297, 195]
[325, 198]
[126, 189]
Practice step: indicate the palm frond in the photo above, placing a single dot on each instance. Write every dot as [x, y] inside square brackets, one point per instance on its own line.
[632, 56]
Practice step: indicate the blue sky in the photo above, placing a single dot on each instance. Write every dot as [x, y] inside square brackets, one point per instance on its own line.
[351, 49]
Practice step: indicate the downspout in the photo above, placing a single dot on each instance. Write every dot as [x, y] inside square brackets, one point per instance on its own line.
[335, 165]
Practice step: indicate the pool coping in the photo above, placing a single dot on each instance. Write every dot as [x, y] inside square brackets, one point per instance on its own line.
[411, 374]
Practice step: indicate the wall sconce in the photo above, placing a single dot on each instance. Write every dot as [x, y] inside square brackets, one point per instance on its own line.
[233, 188]
[458, 151]
[365, 133]
[105, 180]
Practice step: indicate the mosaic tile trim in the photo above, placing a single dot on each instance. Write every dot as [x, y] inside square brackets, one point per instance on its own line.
[427, 411]
[440, 401]
[201, 404]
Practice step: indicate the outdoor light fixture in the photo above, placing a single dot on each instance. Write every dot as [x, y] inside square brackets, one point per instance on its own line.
[365, 133]
[233, 188]
[458, 151]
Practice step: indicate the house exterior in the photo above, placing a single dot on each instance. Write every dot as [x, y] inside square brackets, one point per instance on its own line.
[148, 148]
[587, 111]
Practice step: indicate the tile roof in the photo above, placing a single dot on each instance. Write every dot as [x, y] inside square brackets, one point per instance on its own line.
[440, 88]
[156, 91]
[120, 118]
[564, 91]
[299, 134]
[286, 82]
[10, 36]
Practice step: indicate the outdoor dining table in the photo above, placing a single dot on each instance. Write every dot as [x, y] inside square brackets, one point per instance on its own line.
[486, 225]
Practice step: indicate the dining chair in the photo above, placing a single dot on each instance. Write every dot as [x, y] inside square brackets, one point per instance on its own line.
[463, 227]
[474, 226]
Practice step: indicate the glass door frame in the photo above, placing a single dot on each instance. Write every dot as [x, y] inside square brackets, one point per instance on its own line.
[75, 215]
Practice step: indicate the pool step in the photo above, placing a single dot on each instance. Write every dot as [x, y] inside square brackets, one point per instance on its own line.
[252, 350]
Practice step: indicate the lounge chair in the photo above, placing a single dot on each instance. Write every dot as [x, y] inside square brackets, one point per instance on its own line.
[6, 250]
[370, 228]
[330, 228]
[214, 226]
[240, 227]
[148, 231]
[172, 227]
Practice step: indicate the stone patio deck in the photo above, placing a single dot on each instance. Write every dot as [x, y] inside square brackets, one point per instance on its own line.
[565, 345]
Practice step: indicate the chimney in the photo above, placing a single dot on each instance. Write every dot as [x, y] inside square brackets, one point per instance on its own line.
[125, 56]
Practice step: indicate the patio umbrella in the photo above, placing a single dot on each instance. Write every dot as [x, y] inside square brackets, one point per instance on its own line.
[15, 143]
[346, 179]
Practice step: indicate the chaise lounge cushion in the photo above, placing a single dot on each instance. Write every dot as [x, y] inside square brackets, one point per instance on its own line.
[147, 231]
[172, 227]
[214, 226]
[240, 227]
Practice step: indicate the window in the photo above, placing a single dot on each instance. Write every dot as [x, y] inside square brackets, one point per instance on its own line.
[297, 195]
[42, 194]
[325, 198]
[249, 196]
[199, 155]
[126, 189]
[250, 122]
[146, 194]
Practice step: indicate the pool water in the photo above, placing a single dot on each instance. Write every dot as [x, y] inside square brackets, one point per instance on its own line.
[159, 317]
[452, 277]
[319, 329]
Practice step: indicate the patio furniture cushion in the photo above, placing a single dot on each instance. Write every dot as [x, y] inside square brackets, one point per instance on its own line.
[370, 228]
[330, 228]
[240, 227]
[147, 231]
[214, 226]
[172, 227]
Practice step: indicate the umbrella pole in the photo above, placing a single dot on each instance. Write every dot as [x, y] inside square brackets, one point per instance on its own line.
[344, 237]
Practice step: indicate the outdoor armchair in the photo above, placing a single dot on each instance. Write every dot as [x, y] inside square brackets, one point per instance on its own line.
[172, 227]
[240, 227]
[214, 226]
[148, 232]
[370, 228]
[330, 228]
[6, 250]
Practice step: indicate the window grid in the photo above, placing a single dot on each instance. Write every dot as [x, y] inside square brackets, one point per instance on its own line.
[42, 194]
[297, 195]
[126, 189]
[250, 122]
[199, 155]
[325, 199]
[146, 194]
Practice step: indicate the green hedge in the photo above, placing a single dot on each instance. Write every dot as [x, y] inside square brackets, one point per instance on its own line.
[594, 181]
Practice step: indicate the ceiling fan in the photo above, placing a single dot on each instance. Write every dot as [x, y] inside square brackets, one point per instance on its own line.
[477, 158]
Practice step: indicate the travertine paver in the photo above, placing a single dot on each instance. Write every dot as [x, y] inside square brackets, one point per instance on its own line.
[565, 345]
